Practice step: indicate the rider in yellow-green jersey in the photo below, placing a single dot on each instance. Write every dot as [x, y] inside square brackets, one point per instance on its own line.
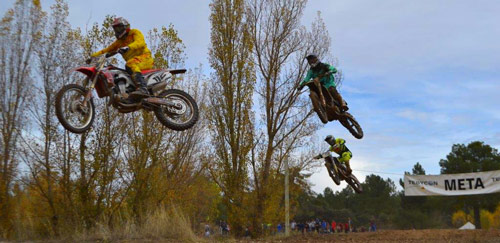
[338, 146]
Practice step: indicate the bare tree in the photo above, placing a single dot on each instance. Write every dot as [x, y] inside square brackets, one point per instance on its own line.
[55, 55]
[125, 163]
[280, 45]
[19, 35]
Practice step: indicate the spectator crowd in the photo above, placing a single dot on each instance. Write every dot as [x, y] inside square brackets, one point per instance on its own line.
[312, 226]
[326, 227]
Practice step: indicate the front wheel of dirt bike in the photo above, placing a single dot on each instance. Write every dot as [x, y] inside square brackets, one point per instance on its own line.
[70, 111]
[331, 171]
[354, 183]
[318, 108]
[352, 125]
[181, 117]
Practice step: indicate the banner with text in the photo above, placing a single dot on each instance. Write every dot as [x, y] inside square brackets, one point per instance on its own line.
[452, 184]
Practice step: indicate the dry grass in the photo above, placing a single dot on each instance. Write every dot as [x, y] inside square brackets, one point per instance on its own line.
[162, 225]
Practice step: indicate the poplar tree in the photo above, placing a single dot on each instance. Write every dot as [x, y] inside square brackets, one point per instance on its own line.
[19, 36]
[281, 44]
[230, 113]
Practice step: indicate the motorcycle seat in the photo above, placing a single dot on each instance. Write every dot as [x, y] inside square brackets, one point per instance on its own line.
[172, 71]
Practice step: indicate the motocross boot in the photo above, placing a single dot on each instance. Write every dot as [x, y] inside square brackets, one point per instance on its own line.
[348, 167]
[142, 90]
[336, 95]
[329, 168]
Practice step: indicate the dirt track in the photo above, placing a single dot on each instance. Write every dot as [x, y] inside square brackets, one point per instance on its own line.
[397, 236]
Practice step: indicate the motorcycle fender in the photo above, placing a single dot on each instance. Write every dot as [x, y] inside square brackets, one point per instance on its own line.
[89, 71]
[158, 77]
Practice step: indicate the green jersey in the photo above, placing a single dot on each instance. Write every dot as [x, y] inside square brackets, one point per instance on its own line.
[327, 81]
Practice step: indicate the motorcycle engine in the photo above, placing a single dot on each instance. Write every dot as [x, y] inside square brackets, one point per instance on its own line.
[123, 83]
[120, 88]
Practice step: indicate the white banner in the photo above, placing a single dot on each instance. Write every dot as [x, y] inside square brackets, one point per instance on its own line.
[453, 184]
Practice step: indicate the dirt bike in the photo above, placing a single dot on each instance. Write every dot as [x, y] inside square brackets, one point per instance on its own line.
[328, 109]
[75, 108]
[338, 171]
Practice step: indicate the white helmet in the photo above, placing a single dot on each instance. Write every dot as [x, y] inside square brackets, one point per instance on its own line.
[121, 27]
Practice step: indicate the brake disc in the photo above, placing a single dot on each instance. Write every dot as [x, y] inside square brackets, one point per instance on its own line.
[76, 106]
[179, 109]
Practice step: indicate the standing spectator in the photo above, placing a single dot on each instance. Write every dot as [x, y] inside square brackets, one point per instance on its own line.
[224, 228]
[247, 232]
[323, 226]
[207, 230]
[279, 228]
[346, 227]
[341, 227]
[300, 227]
[373, 228]
[349, 222]
[293, 225]
[334, 226]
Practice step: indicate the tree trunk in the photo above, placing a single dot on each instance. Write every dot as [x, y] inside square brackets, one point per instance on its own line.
[477, 217]
[83, 184]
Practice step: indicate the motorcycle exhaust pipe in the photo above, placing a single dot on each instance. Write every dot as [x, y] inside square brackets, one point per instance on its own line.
[159, 101]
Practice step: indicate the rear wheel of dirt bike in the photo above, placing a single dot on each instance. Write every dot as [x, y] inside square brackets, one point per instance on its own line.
[318, 108]
[331, 171]
[354, 183]
[351, 124]
[70, 112]
[179, 118]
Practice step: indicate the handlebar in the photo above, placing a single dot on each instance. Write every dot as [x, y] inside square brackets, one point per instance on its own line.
[331, 142]
[312, 79]
[301, 86]
[110, 54]
[322, 155]
[100, 61]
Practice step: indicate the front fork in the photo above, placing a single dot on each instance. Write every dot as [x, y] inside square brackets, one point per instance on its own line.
[330, 165]
[321, 96]
[88, 95]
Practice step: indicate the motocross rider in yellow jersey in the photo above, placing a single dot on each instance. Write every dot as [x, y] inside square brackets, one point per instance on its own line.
[338, 146]
[130, 43]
